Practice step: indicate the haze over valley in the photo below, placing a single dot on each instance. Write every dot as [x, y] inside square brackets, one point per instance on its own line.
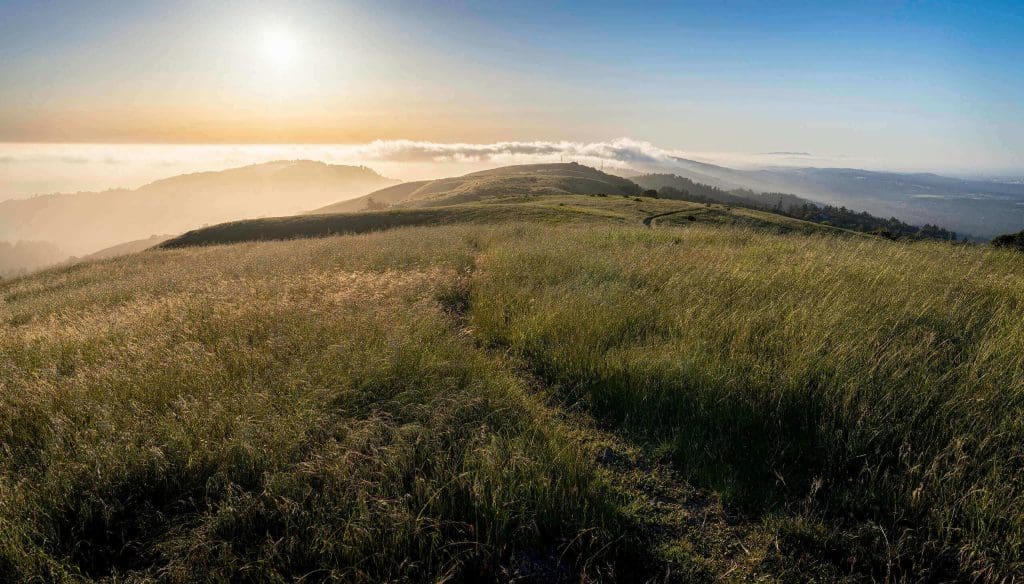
[81, 223]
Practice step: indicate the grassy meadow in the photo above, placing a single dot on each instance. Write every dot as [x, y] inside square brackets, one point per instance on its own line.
[564, 395]
[508, 208]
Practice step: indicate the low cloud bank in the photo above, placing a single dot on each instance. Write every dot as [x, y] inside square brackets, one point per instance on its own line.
[28, 169]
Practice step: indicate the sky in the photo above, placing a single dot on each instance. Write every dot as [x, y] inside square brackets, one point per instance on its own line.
[897, 85]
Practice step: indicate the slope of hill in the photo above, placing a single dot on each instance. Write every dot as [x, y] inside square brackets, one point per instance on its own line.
[82, 223]
[505, 209]
[1010, 240]
[126, 248]
[530, 179]
[634, 396]
[676, 187]
[515, 182]
[981, 208]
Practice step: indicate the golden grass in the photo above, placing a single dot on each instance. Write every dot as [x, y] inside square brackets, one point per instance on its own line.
[423, 404]
[875, 385]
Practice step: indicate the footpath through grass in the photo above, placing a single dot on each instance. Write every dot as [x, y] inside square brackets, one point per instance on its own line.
[574, 402]
[864, 396]
[275, 411]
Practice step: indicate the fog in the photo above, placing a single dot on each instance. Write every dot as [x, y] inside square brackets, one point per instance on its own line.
[74, 200]
[32, 169]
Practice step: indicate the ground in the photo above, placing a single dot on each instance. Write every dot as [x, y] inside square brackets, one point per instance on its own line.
[544, 388]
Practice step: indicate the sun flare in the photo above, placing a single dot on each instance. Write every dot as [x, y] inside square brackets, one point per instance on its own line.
[278, 46]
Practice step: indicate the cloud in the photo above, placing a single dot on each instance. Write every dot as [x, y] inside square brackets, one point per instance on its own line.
[623, 150]
[621, 153]
[27, 169]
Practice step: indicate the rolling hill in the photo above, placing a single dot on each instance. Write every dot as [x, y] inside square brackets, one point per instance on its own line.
[530, 179]
[97, 225]
[83, 223]
[542, 387]
[505, 208]
[126, 248]
[517, 182]
[980, 208]
[672, 185]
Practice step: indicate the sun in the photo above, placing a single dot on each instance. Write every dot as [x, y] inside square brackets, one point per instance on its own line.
[278, 45]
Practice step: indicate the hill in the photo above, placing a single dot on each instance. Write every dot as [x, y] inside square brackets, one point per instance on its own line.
[980, 208]
[676, 187]
[529, 179]
[126, 248]
[514, 182]
[548, 388]
[83, 223]
[673, 186]
[1010, 240]
[620, 210]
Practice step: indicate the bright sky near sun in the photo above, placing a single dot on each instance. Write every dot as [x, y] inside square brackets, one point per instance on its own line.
[919, 84]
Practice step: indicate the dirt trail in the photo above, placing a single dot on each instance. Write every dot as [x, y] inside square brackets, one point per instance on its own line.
[691, 533]
[649, 218]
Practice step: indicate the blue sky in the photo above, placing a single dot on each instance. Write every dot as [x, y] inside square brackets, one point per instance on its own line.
[913, 84]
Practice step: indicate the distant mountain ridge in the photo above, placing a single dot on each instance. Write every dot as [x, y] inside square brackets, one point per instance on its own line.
[83, 223]
[97, 225]
[675, 186]
[982, 208]
[510, 183]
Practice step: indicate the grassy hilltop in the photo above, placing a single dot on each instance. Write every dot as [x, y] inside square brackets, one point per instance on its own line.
[543, 387]
[508, 181]
[504, 208]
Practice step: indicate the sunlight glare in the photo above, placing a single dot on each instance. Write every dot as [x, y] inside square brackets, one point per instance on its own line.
[278, 46]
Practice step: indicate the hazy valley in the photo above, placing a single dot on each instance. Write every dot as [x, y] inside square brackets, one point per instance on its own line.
[80, 224]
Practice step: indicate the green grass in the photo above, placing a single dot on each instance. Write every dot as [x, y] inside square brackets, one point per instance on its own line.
[508, 181]
[874, 387]
[544, 389]
[534, 208]
[271, 411]
[306, 226]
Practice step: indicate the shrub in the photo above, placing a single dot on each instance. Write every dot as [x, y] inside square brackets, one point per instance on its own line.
[1012, 241]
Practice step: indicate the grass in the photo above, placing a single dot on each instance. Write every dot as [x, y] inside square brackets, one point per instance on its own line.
[275, 411]
[543, 390]
[875, 388]
[532, 208]
[306, 226]
[508, 181]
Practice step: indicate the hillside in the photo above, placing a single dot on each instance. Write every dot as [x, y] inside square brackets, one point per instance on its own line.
[126, 248]
[530, 179]
[83, 223]
[539, 180]
[677, 187]
[1010, 240]
[672, 186]
[549, 209]
[548, 388]
[980, 208]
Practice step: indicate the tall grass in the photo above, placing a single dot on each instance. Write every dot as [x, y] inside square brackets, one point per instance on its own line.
[278, 411]
[878, 386]
[419, 405]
